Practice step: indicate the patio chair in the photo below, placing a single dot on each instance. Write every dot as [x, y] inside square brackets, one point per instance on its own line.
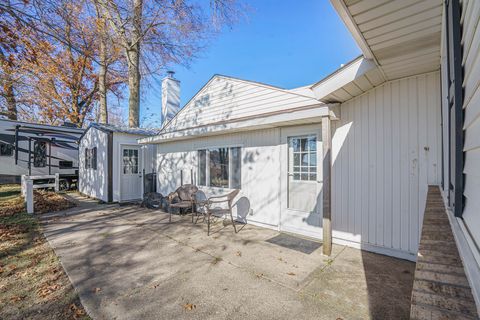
[182, 198]
[226, 198]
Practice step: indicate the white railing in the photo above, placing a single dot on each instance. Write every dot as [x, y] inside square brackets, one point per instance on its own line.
[28, 186]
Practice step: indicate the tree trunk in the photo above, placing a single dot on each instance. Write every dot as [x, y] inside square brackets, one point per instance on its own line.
[102, 76]
[10, 97]
[8, 91]
[133, 57]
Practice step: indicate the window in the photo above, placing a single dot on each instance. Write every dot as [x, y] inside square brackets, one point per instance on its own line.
[202, 167]
[304, 151]
[220, 167]
[63, 164]
[40, 154]
[130, 161]
[6, 149]
[91, 158]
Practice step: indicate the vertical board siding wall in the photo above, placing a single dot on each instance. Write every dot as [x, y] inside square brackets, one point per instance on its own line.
[94, 182]
[386, 151]
[260, 170]
[471, 84]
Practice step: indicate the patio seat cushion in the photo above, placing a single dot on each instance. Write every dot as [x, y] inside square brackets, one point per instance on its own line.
[187, 192]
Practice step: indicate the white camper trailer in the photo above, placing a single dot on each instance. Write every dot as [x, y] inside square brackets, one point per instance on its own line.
[38, 149]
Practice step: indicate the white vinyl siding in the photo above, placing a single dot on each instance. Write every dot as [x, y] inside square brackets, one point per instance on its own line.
[386, 151]
[93, 182]
[471, 84]
[260, 170]
[225, 99]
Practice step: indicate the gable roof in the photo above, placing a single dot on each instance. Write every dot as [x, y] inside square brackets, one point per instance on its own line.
[228, 104]
[223, 99]
[109, 128]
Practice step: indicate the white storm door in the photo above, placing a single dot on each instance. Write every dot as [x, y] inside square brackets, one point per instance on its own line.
[302, 180]
[131, 173]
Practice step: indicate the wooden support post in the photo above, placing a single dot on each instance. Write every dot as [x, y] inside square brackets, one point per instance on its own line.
[327, 185]
[57, 182]
[29, 195]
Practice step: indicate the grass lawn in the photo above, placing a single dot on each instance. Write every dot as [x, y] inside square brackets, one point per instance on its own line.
[33, 284]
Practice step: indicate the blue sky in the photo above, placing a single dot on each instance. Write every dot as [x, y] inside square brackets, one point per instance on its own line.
[282, 43]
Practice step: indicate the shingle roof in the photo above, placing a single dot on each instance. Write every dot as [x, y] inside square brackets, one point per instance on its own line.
[112, 128]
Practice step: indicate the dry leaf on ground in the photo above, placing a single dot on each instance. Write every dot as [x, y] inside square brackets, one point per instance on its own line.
[189, 306]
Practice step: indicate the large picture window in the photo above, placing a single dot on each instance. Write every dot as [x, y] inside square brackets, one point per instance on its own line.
[220, 167]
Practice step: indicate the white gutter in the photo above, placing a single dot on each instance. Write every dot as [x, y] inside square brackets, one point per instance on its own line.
[311, 114]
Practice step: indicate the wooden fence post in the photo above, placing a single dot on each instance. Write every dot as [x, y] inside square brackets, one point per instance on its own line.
[57, 182]
[23, 185]
[29, 195]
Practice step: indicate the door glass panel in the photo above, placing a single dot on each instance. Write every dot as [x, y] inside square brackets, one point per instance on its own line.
[302, 173]
[130, 161]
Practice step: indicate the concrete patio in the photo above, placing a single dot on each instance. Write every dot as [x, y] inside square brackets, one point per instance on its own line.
[129, 263]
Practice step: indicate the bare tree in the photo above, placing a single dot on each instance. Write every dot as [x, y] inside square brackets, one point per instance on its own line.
[155, 33]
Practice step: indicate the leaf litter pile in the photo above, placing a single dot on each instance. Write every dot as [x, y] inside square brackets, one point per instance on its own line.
[33, 284]
[44, 202]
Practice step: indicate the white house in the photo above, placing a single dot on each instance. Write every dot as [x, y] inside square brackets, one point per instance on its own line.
[112, 163]
[358, 148]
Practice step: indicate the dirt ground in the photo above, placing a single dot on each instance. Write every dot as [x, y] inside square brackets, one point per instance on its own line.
[33, 284]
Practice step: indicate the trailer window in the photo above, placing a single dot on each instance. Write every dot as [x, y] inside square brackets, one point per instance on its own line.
[40, 154]
[6, 149]
[65, 164]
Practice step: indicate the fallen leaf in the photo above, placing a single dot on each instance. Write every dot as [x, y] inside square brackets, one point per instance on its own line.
[290, 273]
[17, 298]
[239, 254]
[189, 306]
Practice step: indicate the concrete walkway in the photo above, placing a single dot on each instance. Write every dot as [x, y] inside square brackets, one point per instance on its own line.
[130, 263]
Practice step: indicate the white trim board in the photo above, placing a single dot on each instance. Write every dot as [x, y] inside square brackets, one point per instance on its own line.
[472, 270]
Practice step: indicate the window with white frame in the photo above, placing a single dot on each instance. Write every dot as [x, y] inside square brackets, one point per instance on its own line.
[220, 167]
[304, 152]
